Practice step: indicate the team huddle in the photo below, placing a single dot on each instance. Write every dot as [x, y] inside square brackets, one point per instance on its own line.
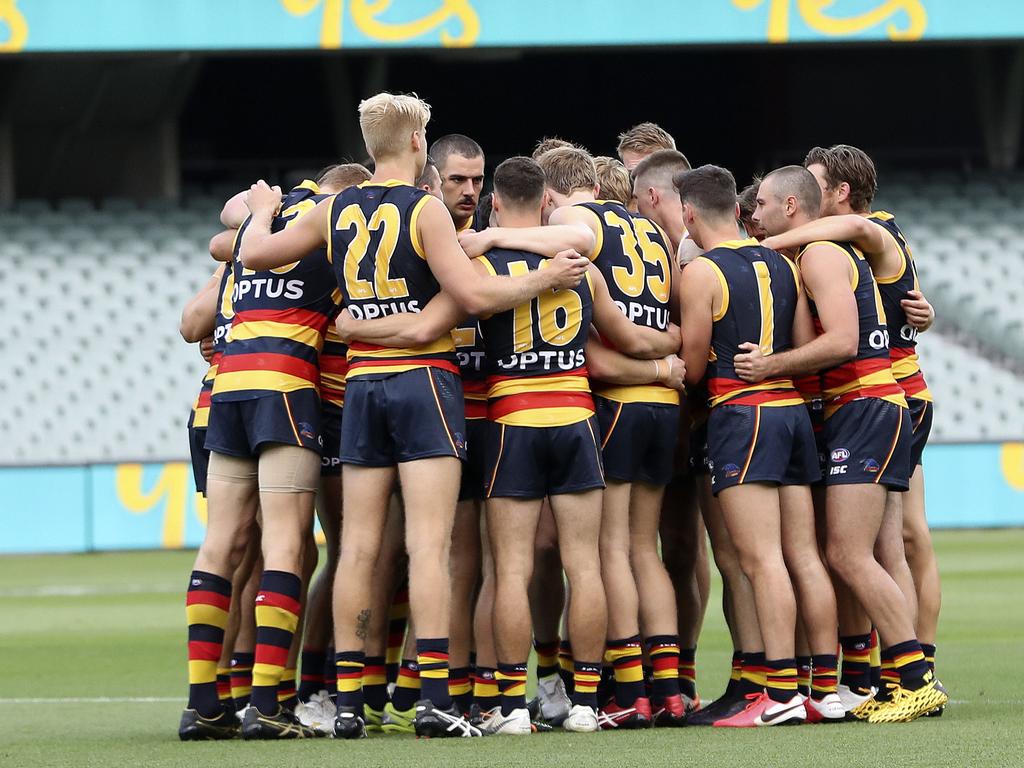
[519, 418]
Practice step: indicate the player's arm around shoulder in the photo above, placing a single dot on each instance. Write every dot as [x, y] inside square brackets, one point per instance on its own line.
[478, 293]
[699, 288]
[632, 339]
[200, 313]
[613, 367]
[259, 249]
[403, 329]
[826, 273]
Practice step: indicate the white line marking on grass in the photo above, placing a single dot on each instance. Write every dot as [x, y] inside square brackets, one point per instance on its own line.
[82, 590]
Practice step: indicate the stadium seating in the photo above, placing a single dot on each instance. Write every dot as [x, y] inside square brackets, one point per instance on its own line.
[95, 371]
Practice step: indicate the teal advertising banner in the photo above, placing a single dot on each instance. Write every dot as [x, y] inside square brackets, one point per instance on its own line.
[155, 506]
[211, 25]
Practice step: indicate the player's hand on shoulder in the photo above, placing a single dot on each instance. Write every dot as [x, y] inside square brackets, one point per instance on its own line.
[474, 243]
[567, 269]
[676, 374]
[263, 198]
[206, 348]
[750, 364]
[920, 313]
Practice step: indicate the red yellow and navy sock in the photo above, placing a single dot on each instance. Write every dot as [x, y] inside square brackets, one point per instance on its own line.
[547, 657]
[856, 662]
[512, 685]
[224, 685]
[206, 610]
[565, 665]
[735, 673]
[398, 621]
[909, 663]
[486, 692]
[241, 678]
[781, 679]
[887, 676]
[688, 672]
[375, 683]
[626, 658]
[349, 674]
[663, 651]
[803, 675]
[928, 649]
[754, 676]
[585, 675]
[407, 687]
[460, 688]
[312, 679]
[287, 695]
[823, 675]
[875, 661]
[277, 616]
[432, 657]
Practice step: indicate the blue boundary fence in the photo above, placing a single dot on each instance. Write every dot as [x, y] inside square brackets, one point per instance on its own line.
[155, 506]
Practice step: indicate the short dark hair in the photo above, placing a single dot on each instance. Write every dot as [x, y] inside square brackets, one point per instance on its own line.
[424, 177]
[454, 144]
[519, 182]
[747, 198]
[796, 181]
[843, 162]
[710, 188]
[659, 168]
[483, 211]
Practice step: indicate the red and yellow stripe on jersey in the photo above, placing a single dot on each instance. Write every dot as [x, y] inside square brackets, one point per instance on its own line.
[221, 331]
[536, 359]
[869, 373]
[281, 316]
[333, 367]
[908, 373]
[555, 400]
[469, 349]
[759, 293]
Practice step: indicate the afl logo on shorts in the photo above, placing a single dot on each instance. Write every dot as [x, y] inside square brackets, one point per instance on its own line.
[840, 455]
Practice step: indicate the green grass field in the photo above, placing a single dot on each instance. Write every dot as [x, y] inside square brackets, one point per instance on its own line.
[111, 627]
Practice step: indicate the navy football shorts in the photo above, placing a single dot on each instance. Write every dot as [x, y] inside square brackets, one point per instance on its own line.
[921, 414]
[534, 462]
[761, 444]
[638, 440]
[417, 414]
[869, 441]
[330, 427]
[200, 456]
[242, 427]
[472, 488]
[700, 463]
